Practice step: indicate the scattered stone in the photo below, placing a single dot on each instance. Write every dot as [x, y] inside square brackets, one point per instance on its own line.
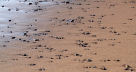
[103, 68]
[59, 56]
[78, 54]
[40, 56]
[67, 2]
[48, 31]
[4, 45]
[91, 20]
[59, 37]
[17, 9]
[2, 6]
[70, 21]
[13, 37]
[9, 9]
[89, 60]
[82, 43]
[22, 54]
[37, 40]
[86, 33]
[32, 64]
[42, 69]
[25, 55]
[117, 60]
[93, 35]
[128, 67]
[30, 3]
[9, 20]
[35, 29]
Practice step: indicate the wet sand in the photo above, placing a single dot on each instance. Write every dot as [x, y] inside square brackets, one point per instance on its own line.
[67, 36]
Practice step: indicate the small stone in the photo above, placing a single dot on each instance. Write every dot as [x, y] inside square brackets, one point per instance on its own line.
[37, 40]
[103, 68]
[9, 20]
[40, 57]
[30, 3]
[3, 6]
[13, 37]
[117, 60]
[25, 34]
[67, 2]
[70, 21]
[39, 46]
[25, 55]
[35, 29]
[93, 35]
[42, 69]
[127, 67]
[97, 7]
[17, 9]
[9, 9]
[89, 60]
[32, 64]
[4, 45]
[86, 33]
[59, 37]
[48, 31]
[78, 55]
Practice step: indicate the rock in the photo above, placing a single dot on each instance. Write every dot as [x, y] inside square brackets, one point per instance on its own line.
[89, 60]
[86, 33]
[13, 37]
[70, 21]
[82, 43]
[25, 34]
[128, 67]
[103, 68]
[117, 60]
[48, 31]
[30, 3]
[40, 57]
[78, 55]
[9, 9]
[92, 15]
[4, 46]
[17, 9]
[25, 55]
[35, 29]
[37, 39]
[91, 20]
[42, 69]
[39, 45]
[2, 6]
[9, 20]
[22, 54]
[67, 2]
[59, 37]
[32, 64]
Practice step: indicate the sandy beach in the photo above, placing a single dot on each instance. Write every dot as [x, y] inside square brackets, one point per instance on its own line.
[67, 35]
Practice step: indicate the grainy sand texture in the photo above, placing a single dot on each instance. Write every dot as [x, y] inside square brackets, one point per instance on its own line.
[67, 35]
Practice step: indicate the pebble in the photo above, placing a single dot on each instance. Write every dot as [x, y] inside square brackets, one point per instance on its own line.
[42, 69]
[89, 60]
[32, 64]
[103, 68]
[13, 37]
[86, 33]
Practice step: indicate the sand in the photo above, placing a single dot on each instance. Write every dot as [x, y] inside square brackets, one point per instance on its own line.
[67, 36]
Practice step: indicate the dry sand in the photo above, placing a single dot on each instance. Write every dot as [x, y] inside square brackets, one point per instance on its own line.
[68, 36]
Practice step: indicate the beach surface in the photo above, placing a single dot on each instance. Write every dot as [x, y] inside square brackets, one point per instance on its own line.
[67, 35]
